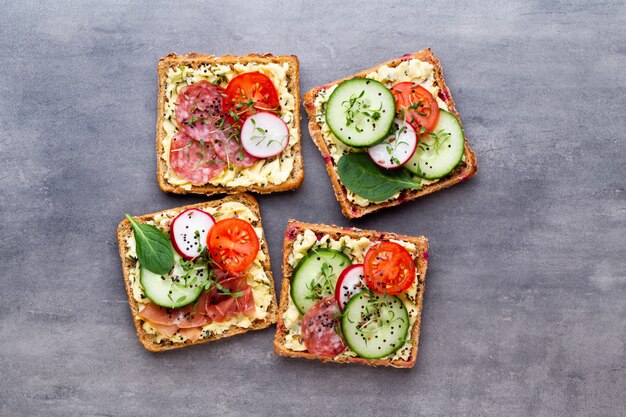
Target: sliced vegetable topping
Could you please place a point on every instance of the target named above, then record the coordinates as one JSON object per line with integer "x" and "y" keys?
{"x": 264, "y": 135}
{"x": 360, "y": 112}
{"x": 416, "y": 105}
{"x": 350, "y": 282}
{"x": 178, "y": 287}
{"x": 233, "y": 244}
{"x": 363, "y": 177}
{"x": 188, "y": 232}
{"x": 375, "y": 326}
{"x": 153, "y": 247}
{"x": 315, "y": 276}
{"x": 440, "y": 151}
{"x": 321, "y": 329}
{"x": 248, "y": 93}
{"x": 388, "y": 268}
{"x": 396, "y": 148}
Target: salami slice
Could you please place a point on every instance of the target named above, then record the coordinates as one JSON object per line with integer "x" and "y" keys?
{"x": 321, "y": 329}
{"x": 229, "y": 148}
{"x": 200, "y": 109}
{"x": 194, "y": 161}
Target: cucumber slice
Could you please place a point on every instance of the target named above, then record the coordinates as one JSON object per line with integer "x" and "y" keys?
{"x": 375, "y": 325}
{"x": 439, "y": 152}
{"x": 315, "y": 276}
{"x": 360, "y": 112}
{"x": 176, "y": 289}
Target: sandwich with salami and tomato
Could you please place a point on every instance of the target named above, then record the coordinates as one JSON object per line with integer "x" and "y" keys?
{"x": 228, "y": 124}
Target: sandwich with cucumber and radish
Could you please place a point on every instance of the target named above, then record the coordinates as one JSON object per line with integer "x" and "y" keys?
{"x": 350, "y": 295}
{"x": 197, "y": 273}
{"x": 389, "y": 134}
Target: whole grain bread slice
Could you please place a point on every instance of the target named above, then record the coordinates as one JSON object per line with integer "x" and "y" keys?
{"x": 149, "y": 341}
{"x": 464, "y": 171}
{"x": 421, "y": 262}
{"x": 194, "y": 60}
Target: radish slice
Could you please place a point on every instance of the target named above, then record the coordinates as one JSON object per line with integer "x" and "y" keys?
{"x": 350, "y": 282}
{"x": 264, "y": 135}
{"x": 395, "y": 150}
{"x": 188, "y": 232}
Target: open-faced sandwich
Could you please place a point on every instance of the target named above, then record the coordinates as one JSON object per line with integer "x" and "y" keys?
{"x": 351, "y": 295}
{"x": 197, "y": 273}
{"x": 228, "y": 124}
{"x": 389, "y": 134}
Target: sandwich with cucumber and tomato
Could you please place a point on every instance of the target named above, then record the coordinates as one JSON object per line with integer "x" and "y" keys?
{"x": 197, "y": 273}
{"x": 389, "y": 134}
{"x": 351, "y": 295}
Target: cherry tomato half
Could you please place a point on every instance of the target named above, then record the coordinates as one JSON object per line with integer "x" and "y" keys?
{"x": 233, "y": 244}
{"x": 248, "y": 93}
{"x": 388, "y": 268}
{"x": 417, "y": 105}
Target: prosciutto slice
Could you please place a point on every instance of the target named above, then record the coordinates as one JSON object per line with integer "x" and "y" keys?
{"x": 192, "y": 333}
{"x": 222, "y": 302}
{"x": 167, "y": 330}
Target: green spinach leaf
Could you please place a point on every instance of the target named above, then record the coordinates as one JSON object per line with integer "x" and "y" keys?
{"x": 154, "y": 250}
{"x": 363, "y": 177}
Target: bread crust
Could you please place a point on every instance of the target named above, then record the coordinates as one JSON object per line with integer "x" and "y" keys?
{"x": 421, "y": 262}
{"x": 149, "y": 340}
{"x": 464, "y": 171}
{"x": 194, "y": 60}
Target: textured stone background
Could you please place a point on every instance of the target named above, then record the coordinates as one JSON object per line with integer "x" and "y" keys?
{"x": 525, "y": 305}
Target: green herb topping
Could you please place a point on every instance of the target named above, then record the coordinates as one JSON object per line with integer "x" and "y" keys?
{"x": 363, "y": 177}
{"x": 154, "y": 249}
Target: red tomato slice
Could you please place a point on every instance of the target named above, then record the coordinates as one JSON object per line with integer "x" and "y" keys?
{"x": 416, "y": 105}
{"x": 248, "y": 93}
{"x": 388, "y": 268}
{"x": 233, "y": 244}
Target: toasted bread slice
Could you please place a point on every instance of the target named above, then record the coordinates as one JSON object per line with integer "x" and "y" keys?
{"x": 149, "y": 341}
{"x": 466, "y": 169}
{"x": 421, "y": 262}
{"x": 193, "y": 60}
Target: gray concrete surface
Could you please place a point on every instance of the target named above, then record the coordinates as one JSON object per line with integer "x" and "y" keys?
{"x": 525, "y": 305}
